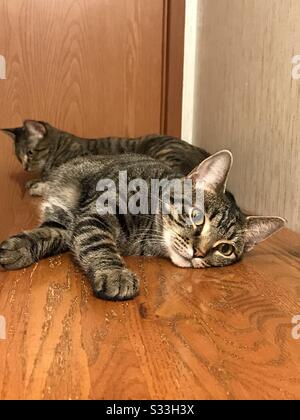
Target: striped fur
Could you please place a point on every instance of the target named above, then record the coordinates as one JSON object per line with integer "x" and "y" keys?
{"x": 41, "y": 147}
{"x": 70, "y": 221}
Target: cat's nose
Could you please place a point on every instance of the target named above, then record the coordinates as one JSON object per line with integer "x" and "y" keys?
{"x": 198, "y": 253}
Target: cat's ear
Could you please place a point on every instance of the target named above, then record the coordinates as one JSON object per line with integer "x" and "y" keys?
{"x": 35, "y": 129}
{"x": 259, "y": 229}
{"x": 11, "y": 132}
{"x": 213, "y": 172}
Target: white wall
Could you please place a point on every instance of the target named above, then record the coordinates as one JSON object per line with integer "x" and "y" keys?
{"x": 247, "y": 98}
{"x": 192, "y": 30}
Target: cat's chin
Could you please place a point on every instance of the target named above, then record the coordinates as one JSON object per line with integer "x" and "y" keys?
{"x": 179, "y": 261}
{"x": 182, "y": 262}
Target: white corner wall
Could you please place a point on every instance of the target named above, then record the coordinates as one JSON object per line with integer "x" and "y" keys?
{"x": 192, "y": 29}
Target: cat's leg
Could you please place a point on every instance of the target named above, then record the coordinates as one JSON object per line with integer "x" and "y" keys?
{"x": 94, "y": 245}
{"x": 38, "y": 187}
{"x": 23, "y": 250}
{"x": 51, "y": 238}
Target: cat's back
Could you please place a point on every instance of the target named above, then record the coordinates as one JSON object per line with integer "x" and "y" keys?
{"x": 91, "y": 169}
{"x": 177, "y": 153}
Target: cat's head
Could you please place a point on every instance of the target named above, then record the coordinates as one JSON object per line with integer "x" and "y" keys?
{"x": 32, "y": 144}
{"x": 217, "y": 234}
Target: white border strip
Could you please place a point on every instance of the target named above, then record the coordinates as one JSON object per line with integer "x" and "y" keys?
{"x": 190, "y": 62}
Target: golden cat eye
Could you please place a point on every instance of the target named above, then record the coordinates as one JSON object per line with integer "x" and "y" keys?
{"x": 226, "y": 249}
{"x": 197, "y": 217}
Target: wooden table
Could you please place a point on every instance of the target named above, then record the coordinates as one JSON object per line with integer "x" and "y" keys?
{"x": 191, "y": 334}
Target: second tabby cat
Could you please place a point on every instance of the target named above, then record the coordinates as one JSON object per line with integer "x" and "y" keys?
{"x": 41, "y": 147}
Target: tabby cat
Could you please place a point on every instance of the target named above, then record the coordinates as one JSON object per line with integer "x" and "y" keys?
{"x": 216, "y": 235}
{"x": 41, "y": 147}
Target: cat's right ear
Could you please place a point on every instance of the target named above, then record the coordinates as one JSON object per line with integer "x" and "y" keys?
{"x": 35, "y": 129}
{"x": 11, "y": 132}
{"x": 213, "y": 172}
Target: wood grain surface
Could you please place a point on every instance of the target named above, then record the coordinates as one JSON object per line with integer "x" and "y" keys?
{"x": 191, "y": 334}
{"x": 248, "y": 101}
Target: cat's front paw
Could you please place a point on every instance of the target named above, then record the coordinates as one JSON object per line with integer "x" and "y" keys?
{"x": 198, "y": 263}
{"x": 36, "y": 188}
{"x": 118, "y": 284}
{"x": 15, "y": 253}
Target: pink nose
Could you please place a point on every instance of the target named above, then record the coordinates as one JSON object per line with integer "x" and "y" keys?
{"x": 198, "y": 253}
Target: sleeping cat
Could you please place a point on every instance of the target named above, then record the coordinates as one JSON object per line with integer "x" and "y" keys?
{"x": 41, "y": 147}
{"x": 216, "y": 235}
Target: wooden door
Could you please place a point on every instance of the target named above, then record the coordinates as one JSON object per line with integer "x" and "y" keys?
{"x": 95, "y": 67}
{"x": 92, "y": 67}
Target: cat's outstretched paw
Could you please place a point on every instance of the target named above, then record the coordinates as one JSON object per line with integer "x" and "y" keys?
{"x": 15, "y": 253}
{"x": 198, "y": 263}
{"x": 36, "y": 188}
{"x": 116, "y": 284}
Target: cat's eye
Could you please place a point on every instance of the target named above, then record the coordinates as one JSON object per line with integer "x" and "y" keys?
{"x": 226, "y": 249}
{"x": 197, "y": 217}
{"x": 30, "y": 153}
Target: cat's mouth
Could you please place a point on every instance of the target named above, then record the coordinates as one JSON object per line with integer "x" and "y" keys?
{"x": 180, "y": 260}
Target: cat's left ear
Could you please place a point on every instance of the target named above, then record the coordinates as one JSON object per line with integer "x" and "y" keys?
{"x": 11, "y": 132}
{"x": 259, "y": 229}
{"x": 37, "y": 130}
{"x": 213, "y": 172}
